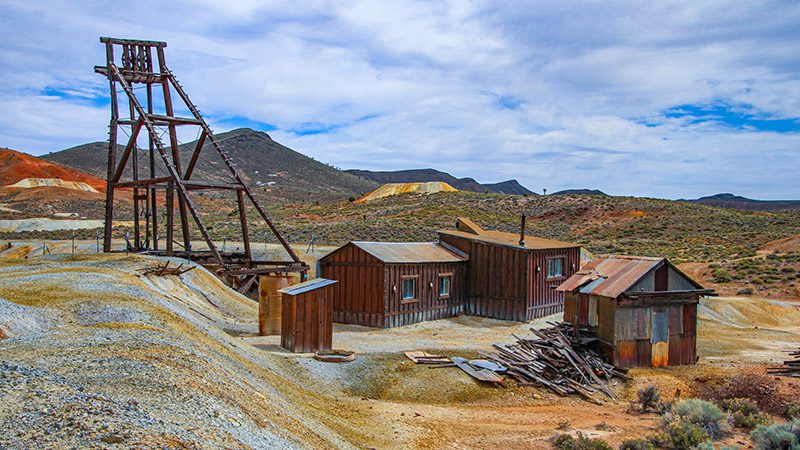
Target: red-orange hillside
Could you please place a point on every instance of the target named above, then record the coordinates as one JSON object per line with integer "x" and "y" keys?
{"x": 16, "y": 166}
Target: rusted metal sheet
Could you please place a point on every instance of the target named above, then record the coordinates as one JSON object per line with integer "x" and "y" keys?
{"x": 675, "y": 320}
{"x": 477, "y": 373}
{"x": 643, "y": 353}
{"x": 570, "y": 307}
{"x": 583, "y": 309}
{"x": 659, "y": 331}
{"x": 660, "y": 354}
{"x": 641, "y": 323}
{"x": 690, "y": 319}
{"x": 625, "y": 354}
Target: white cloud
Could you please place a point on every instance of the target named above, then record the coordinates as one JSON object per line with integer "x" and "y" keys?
{"x": 431, "y": 78}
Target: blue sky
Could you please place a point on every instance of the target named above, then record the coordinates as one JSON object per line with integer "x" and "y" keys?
{"x": 671, "y": 99}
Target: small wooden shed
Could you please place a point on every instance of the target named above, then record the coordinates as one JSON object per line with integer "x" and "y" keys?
{"x": 512, "y": 276}
{"x": 307, "y": 316}
{"x": 644, "y": 309}
{"x": 388, "y": 284}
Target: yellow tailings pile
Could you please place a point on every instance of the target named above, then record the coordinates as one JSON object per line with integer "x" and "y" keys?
{"x": 53, "y": 182}
{"x": 389, "y": 189}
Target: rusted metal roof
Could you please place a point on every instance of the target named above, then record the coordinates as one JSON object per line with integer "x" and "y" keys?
{"x": 511, "y": 239}
{"x": 610, "y": 276}
{"x": 411, "y": 252}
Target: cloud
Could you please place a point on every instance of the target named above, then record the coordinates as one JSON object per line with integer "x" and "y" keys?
{"x": 669, "y": 99}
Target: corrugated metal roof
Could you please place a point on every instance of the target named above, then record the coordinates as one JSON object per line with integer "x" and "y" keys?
{"x": 511, "y": 239}
{"x": 610, "y": 276}
{"x": 410, "y": 252}
{"x": 306, "y": 286}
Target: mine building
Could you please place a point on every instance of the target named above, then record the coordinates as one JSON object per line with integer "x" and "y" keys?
{"x": 468, "y": 271}
{"x": 512, "y": 276}
{"x": 388, "y": 284}
{"x": 644, "y": 310}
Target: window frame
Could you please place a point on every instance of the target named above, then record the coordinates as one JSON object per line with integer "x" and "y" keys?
{"x": 563, "y": 259}
{"x": 441, "y": 276}
{"x": 403, "y": 279}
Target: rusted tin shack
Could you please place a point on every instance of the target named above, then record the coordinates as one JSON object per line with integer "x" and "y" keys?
{"x": 307, "y": 316}
{"x": 644, "y": 309}
{"x": 512, "y": 276}
{"x": 388, "y": 284}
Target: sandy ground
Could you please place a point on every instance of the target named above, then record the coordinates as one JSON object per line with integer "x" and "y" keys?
{"x": 173, "y": 360}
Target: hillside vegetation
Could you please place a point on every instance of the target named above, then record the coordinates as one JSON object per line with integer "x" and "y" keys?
{"x": 628, "y": 225}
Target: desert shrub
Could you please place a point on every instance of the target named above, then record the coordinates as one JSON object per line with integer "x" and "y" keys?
{"x": 637, "y": 444}
{"x": 759, "y": 388}
{"x": 649, "y": 398}
{"x": 581, "y": 442}
{"x": 721, "y": 275}
{"x": 745, "y": 291}
{"x": 782, "y": 436}
{"x": 684, "y": 435}
{"x": 744, "y": 413}
{"x": 708, "y": 445}
{"x": 793, "y": 410}
{"x": 702, "y": 414}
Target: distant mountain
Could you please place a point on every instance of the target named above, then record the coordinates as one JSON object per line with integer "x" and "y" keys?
{"x": 426, "y": 175}
{"x": 17, "y": 166}
{"x": 269, "y": 168}
{"x": 580, "y": 192}
{"x": 728, "y": 200}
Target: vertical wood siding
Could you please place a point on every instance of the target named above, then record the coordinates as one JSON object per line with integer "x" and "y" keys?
{"x": 358, "y": 297}
{"x": 428, "y": 305}
{"x": 502, "y": 282}
{"x": 369, "y": 292}
{"x": 306, "y": 320}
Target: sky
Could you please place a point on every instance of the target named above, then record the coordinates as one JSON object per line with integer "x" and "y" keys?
{"x": 668, "y": 99}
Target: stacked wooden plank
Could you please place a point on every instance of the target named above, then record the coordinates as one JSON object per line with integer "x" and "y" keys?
{"x": 790, "y": 368}
{"x": 560, "y": 359}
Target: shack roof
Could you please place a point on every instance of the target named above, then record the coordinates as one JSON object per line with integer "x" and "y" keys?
{"x": 411, "y": 252}
{"x": 306, "y": 286}
{"x": 510, "y": 239}
{"x": 612, "y": 275}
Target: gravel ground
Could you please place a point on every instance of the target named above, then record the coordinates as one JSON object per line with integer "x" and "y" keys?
{"x": 102, "y": 357}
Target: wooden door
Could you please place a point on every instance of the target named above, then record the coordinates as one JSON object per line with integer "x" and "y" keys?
{"x": 659, "y": 337}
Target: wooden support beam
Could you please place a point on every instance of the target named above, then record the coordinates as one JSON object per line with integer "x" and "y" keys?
{"x": 197, "y": 149}
{"x": 127, "y": 152}
{"x": 170, "y": 219}
{"x": 112, "y": 153}
{"x": 243, "y": 220}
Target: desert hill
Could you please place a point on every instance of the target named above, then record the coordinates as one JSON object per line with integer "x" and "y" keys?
{"x": 728, "y": 200}
{"x": 425, "y": 175}
{"x": 31, "y": 187}
{"x": 16, "y": 167}
{"x": 269, "y": 168}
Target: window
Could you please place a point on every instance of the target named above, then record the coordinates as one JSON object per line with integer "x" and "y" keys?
{"x": 555, "y": 267}
{"x": 409, "y": 288}
{"x": 444, "y": 285}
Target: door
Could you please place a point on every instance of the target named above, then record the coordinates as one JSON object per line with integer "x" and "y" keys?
{"x": 659, "y": 337}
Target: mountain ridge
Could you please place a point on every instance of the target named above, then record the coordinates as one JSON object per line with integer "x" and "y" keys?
{"x": 429, "y": 174}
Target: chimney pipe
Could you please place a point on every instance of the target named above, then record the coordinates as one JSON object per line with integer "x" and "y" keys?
{"x": 522, "y": 231}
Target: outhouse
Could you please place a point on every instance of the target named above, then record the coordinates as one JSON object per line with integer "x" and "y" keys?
{"x": 307, "y": 316}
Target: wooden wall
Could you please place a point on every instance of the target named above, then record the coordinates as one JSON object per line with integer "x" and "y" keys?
{"x": 358, "y": 297}
{"x": 365, "y": 294}
{"x": 496, "y": 279}
{"x": 428, "y": 305}
{"x": 542, "y": 298}
{"x": 306, "y": 320}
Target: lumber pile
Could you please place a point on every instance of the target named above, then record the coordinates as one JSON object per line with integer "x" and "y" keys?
{"x": 790, "y": 368}
{"x": 560, "y": 359}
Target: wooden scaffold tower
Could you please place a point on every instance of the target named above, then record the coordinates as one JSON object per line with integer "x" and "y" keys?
{"x": 132, "y": 66}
